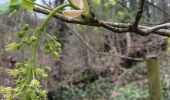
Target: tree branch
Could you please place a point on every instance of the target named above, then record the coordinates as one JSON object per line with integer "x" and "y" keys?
{"x": 139, "y": 13}
{"x": 114, "y": 27}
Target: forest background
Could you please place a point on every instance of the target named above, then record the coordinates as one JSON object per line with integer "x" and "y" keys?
{"x": 95, "y": 63}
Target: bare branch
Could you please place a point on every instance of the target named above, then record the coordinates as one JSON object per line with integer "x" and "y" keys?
{"x": 45, "y": 7}
{"x": 139, "y": 13}
{"x": 158, "y": 27}
{"x": 101, "y": 53}
{"x": 114, "y": 27}
{"x": 82, "y": 40}
{"x": 150, "y": 3}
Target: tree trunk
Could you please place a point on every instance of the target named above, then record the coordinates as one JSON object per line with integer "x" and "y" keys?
{"x": 153, "y": 74}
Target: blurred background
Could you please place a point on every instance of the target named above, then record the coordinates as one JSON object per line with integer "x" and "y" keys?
{"x": 78, "y": 73}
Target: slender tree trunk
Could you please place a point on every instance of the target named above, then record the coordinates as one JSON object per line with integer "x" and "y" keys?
{"x": 153, "y": 74}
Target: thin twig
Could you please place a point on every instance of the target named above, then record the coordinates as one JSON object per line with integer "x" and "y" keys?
{"x": 100, "y": 53}
{"x": 139, "y": 13}
{"x": 150, "y": 3}
{"x": 45, "y": 7}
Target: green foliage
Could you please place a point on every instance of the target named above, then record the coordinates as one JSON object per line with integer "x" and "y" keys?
{"x": 64, "y": 93}
{"x": 133, "y": 93}
{"x": 93, "y": 91}
{"x": 26, "y": 4}
{"x": 27, "y": 85}
{"x": 101, "y": 88}
{"x": 166, "y": 88}
{"x": 8, "y": 91}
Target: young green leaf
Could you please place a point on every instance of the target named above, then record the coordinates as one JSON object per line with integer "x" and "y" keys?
{"x": 28, "y": 4}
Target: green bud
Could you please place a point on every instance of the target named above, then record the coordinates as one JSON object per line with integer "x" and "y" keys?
{"x": 54, "y": 54}
{"x": 18, "y": 64}
{"x": 14, "y": 72}
{"x": 25, "y": 27}
{"x": 23, "y": 70}
{"x": 26, "y": 65}
{"x": 87, "y": 16}
{"x": 24, "y": 40}
{"x": 39, "y": 71}
{"x": 8, "y": 89}
{"x": 58, "y": 50}
{"x": 47, "y": 68}
{"x": 33, "y": 38}
{"x": 44, "y": 75}
{"x": 30, "y": 40}
{"x": 20, "y": 34}
{"x": 35, "y": 83}
{"x": 29, "y": 43}
{"x": 16, "y": 90}
{"x": 43, "y": 93}
{"x": 58, "y": 45}
{"x": 47, "y": 49}
{"x": 12, "y": 46}
{"x": 53, "y": 37}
